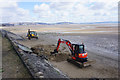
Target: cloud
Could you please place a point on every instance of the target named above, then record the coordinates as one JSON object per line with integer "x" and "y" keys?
{"x": 61, "y": 10}
{"x": 11, "y": 12}
{"x": 78, "y": 11}
{"x": 97, "y": 5}
{"x": 42, "y": 7}
{"x": 82, "y": 11}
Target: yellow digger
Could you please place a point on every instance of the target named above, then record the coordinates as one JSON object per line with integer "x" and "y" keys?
{"x": 31, "y": 34}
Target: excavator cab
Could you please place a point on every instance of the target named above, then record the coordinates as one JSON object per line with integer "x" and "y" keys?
{"x": 33, "y": 33}
{"x": 78, "y": 48}
{"x": 79, "y": 53}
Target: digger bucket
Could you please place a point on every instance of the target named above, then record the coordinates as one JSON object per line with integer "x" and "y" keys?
{"x": 55, "y": 51}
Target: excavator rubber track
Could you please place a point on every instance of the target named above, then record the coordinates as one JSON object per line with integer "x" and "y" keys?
{"x": 79, "y": 64}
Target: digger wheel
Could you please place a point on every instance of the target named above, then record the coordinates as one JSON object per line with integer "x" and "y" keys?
{"x": 36, "y": 37}
{"x": 29, "y": 38}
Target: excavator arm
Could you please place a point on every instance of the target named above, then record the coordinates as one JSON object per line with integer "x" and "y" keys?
{"x": 68, "y": 43}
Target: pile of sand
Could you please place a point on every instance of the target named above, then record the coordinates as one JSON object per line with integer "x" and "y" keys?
{"x": 46, "y": 51}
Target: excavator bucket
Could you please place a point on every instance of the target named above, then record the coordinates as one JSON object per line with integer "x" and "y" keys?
{"x": 54, "y": 52}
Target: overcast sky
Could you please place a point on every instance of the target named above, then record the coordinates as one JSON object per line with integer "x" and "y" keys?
{"x": 52, "y": 11}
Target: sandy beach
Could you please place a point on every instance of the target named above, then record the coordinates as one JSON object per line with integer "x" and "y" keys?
{"x": 101, "y": 43}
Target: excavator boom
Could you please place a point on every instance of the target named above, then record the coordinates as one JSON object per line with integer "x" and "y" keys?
{"x": 68, "y": 43}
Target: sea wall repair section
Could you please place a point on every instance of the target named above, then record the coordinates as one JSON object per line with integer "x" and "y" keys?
{"x": 37, "y": 66}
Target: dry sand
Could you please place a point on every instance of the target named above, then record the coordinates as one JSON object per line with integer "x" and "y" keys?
{"x": 101, "y": 43}
{"x": 12, "y": 67}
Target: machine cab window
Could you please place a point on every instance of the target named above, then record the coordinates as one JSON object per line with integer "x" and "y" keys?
{"x": 32, "y": 32}
{"x": 79, "y": 49}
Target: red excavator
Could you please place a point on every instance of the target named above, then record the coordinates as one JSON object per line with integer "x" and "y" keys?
{"x": 78, "y": 54}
